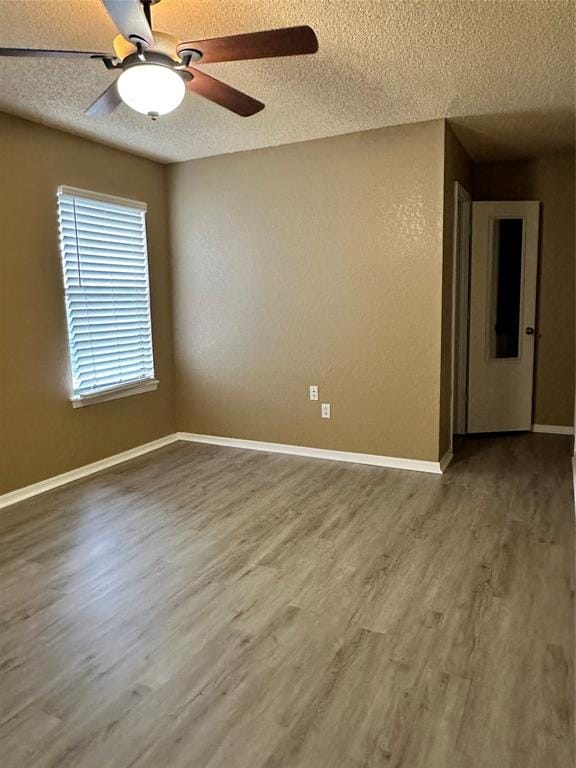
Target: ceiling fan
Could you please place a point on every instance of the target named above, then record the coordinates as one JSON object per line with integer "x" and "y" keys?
{"x": 155, "y": 70}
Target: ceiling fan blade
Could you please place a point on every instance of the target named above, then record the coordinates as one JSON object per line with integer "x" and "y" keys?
{"x": 220, "y": 93}
{"x": 292, "y": 41}
{"x": 131, "y": 21}
{"x": 45, "y": 52}
{"x": 106, "y": 103}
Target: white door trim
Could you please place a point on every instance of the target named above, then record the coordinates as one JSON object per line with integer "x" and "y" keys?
{"x": 460, "y": 283}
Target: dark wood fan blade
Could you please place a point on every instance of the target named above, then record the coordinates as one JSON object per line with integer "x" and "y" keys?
{"x": 105, "y": 103}
{"x": 292, "y": 41}
{"x": 131, "y": 21}
{"x": 220, "y": 93}
{"x": 46, "y": 52}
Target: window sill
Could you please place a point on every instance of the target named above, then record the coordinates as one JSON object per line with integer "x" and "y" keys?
{"x": 127, "y": 390}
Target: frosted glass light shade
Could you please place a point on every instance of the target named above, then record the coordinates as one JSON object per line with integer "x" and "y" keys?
{"x": 151, "y": 89}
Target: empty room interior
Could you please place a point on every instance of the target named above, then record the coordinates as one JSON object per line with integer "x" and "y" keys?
{"x": 287, "y": 377}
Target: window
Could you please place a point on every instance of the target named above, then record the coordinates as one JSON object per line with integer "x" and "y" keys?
{"x": 105, "y": 267}
{"x": 506, "y": 288}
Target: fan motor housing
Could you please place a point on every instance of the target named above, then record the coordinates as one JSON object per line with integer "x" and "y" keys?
{"x": 163, "y": 43}
{"x": 151, "y": 57}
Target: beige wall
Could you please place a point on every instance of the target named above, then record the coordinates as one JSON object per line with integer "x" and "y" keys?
{"x": 40, "y": 433}
{"x": 457, "y": 167}
{"x": 327, "y": 262}
{"x": 313, "y": 263}
{"x": 550, "y": 180}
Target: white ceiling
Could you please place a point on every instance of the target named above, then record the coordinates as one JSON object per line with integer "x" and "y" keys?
{"x": 504, "y": 70}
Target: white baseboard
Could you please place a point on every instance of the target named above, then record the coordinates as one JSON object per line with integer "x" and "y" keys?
{"x": 417, "y": 465}
{"x": 21, "y": 494}
{"x": 552, "y": 429}
{"x": 88, "y": 469}
{"x": 445, "y": 461}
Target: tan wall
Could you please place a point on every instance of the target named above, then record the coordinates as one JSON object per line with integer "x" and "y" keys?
{"x": 550, "y": 180}
{"x": 313, "y": 263}
{"x": 316, "y": 263}
{"x": 40, "y": 433}
{"x": 457, "y": 167}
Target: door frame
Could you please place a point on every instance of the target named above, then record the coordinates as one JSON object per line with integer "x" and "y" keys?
{"x": 462, "y": 230}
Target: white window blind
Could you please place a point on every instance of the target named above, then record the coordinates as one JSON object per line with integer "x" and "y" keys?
{"x": 105, "y": 267}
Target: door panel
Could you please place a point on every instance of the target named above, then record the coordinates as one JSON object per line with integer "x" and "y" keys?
{"x": 503, "y": 278}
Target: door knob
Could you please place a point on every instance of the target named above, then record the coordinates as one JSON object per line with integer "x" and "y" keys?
{"x": 529, "y": 331}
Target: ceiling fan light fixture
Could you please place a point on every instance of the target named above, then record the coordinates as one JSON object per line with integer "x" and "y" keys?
{"x": 151, "y": 89}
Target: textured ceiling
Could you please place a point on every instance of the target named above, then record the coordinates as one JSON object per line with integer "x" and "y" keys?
{"x": 503, "y": 70}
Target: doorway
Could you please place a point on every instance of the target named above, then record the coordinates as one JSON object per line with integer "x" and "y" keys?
{"x": 495, "y": 282}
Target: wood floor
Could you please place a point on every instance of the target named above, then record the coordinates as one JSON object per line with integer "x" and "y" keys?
{"x": 206, "y": 607}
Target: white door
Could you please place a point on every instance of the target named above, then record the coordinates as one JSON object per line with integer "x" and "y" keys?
{"x": 504, "y": 262}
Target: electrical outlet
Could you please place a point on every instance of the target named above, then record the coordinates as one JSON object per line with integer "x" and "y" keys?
{"x": 325, "y": 410}
{"x": 313, "y": 392}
